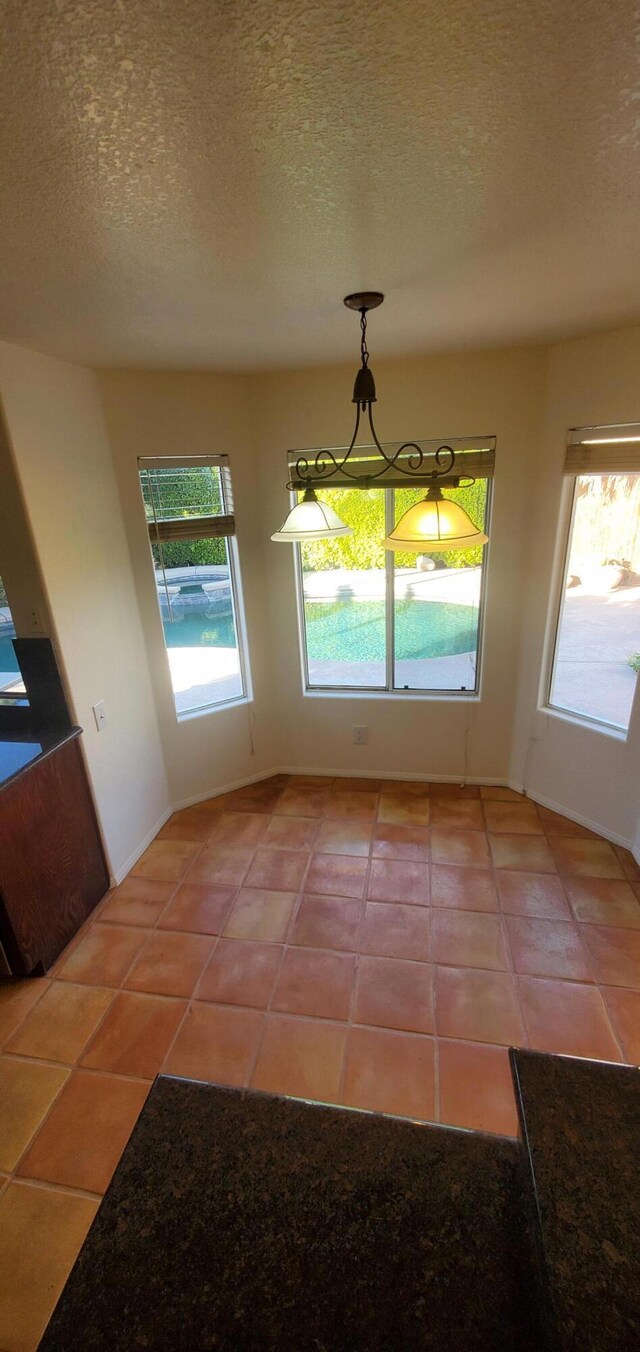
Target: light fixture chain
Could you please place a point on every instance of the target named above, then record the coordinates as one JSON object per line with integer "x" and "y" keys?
{"x": 364, "y": 352}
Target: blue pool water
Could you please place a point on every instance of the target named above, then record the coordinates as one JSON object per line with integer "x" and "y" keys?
{"x": 8, "y": 659}
{"x": 348, "y": 631}
{"x": 354, "y": 631}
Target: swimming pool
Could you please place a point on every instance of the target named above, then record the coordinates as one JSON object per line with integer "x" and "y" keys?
{"x": 347, "y": 631}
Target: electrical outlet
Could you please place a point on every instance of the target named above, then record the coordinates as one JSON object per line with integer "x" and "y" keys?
{"x": 35, "y": 621}
{"x": 360, "y": 736}
{"x": 100, "y": 715}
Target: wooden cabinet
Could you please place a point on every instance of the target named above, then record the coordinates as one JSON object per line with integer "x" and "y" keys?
{"x": 52, "y": 866}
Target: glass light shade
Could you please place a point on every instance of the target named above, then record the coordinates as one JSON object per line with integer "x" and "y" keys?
{"x": 311, "y": 520}
{"x": 433, "y": 524}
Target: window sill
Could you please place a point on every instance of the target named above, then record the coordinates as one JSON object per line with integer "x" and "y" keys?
{"x": 428, "y": 696}
{"x": 618, "y": 734}
{"x": 190, "y": 714}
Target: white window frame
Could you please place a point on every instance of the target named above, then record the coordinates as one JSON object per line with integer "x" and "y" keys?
{"x": 388, "y": 690}
{"x": 617, "y": 731}
{"x": 237, "y": 599}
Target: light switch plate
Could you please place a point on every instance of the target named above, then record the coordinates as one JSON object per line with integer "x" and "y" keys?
{"x": 100, "y": 715}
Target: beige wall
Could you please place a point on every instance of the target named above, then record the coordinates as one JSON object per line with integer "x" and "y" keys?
{"x": 56, "y": 427}
{"x": 593, "y": 774}
{"x": 467, "y": 394}
{"x": 154, "y": 414}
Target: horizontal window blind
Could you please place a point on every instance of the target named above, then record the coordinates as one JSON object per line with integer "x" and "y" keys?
{"x": 603, "y": 450}
{"x": 475, "y": 456}
{"x": 209, "y": 515}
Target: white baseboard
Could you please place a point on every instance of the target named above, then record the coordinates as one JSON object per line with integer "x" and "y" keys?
{"x": 332, "y": 774}
{"x": 140, "y": 849}
{"x": 575, "y": 817}
{"x": 370, "y": 774}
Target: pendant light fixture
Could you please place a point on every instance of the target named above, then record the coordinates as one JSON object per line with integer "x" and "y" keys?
{"x": 311, "y": 520}
{"x": 436, "y": 523}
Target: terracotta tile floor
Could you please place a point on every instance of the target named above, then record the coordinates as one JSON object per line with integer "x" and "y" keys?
{"x": 378, "y": 944}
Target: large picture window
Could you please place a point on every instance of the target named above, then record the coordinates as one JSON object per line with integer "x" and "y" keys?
{"x": 189, "y": 513}
{"x": 597, "y": 649}
{"x": 376, "y": 620}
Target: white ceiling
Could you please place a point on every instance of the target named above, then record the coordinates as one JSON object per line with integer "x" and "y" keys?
{"x": 197, "y": 183}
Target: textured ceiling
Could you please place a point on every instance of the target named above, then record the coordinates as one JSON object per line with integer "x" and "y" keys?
{"x": 196, "y": 183}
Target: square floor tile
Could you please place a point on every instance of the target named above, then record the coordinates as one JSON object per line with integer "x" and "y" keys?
{"x": 199, "y": 909}
{"x": 530, "y": 853}
{"x": 476, "y": 1090}
{"x": 623, "y": 1007}
{"x": 303, "y": 802}
{"x": 103, "y": 956}
{"x": 300, "y": 1057}
{"x": 260, "y": 914}
{"x": 554, "y": 824}
{"x": 41, "y": 1233}
{"x": 239, "y": 828}
{"x": 241, "y": 972}
{"x": 27, "y": 1091}
{"x": 499, "y": 793}
{"x": 401, "y": 808}
{"x": 223, "y": 865}
{"x": 547, "y": 948}
{"x": 136, "y": 1035}
{"x": 466, "y": 889}
{"x": 16, "y": 999}
{"x": 327, "y": 922}
{"x": 86, "y": 1131}
{"x": 314, "y": 982}
{"x": 355, "y": 784}
{"x": 630, "y": 867}
{"x": 604, "y": 901}
{"x": 395, "y": 931}
{"x": 62, "y": 1022}
{"x": 477, "y": 1006}
{"x": 395, "y": 994}
{"x": 171, "y": 963}
{"x": 165, "y": 860}
{"x": 291, "y": 833}
{"x": 138, "y": 901}
{"x": 389, "y": 1072}
{"x": 566, "y": 1018}
{"x": 216, "y": 1043}
{"x": 281, "y": 870}
{"x": 399, "y": 880}
{"x": 460, "y": 847}
{"x": 448, "y": 789}
{"x": 409, "y": 788}
{"x": 537, "y": 894}
{"x": 468, "y": 939}
{"x": 346, "y": 803}
{"x": 188, "y": 825}
{"x": 457, "y": 814}
{"x": 400, "y": 842}
{"x": 344, "y": 837}
{"x": 592, "y": 857}
{"x": 336, "y": 875}
{"x": 615, "y": 954}
{"x": 514, "y": 818}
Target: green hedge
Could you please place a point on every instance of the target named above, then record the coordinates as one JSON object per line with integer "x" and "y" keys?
{"x": 364, "y": 511}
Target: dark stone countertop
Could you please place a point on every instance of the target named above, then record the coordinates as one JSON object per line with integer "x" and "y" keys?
{"x": 19, "y": 752}
{"x": 581, "y": 1124}
{"x": 238, "y": 1220}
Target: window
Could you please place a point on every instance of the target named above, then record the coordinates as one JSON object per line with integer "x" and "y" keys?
{"x": 189, "y": 512}
{"x": 597, "y": 650}
{"x": 376, "y": 620}
{"x": 11, "y": 682}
